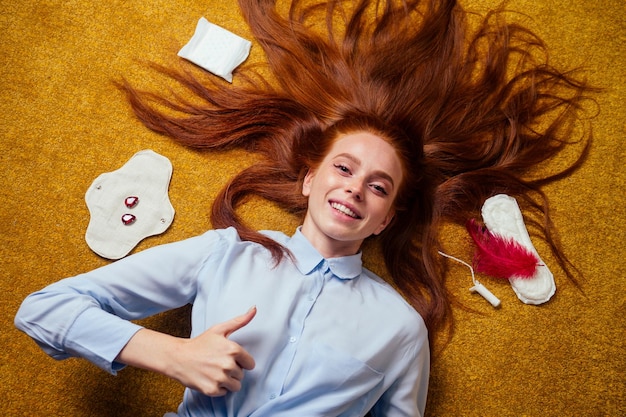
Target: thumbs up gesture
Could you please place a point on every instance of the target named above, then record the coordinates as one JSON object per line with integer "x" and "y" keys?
{"x": 213, "y": 364}
{"x": 209, "y": 363}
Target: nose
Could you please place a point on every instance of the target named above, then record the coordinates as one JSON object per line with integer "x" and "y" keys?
{"x": 355, "y": 189}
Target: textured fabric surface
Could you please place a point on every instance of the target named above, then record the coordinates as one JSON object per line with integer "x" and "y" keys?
{"x": 63, "y": 123}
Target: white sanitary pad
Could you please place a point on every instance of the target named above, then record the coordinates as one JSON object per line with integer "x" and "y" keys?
{"x": 216, "y": 49}
{"x": 503, "y": 217}
{"x": 143, "y": 184}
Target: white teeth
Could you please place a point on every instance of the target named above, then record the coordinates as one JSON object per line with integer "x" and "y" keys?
{"x": 344, "y": 209}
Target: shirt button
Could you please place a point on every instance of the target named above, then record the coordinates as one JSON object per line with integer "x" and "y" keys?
{"x": 292, "y": 339}
{"x": 272, "y": 396}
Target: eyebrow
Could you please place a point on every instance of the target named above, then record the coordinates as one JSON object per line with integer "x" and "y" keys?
{"x": 378, "y": 173}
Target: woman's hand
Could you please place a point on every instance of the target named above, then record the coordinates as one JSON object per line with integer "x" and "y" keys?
{"x": 209, "y": 363}
{"x": 212, "y": 364}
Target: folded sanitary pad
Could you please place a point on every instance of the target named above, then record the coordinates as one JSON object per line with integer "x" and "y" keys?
{"x": 216, "y": 49}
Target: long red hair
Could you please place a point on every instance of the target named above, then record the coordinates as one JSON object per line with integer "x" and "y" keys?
{"x": 472, "y": 112}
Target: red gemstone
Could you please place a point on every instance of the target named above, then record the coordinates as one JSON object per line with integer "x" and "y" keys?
{"x": 128, "y": 219}
{"x": 131, "y": 201}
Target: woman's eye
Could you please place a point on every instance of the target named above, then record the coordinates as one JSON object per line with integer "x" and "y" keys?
{"x": 342, "y": 168}
{"x": 379, "y": 189}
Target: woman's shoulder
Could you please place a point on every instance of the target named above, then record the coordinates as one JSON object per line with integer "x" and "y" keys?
{"x": 393, "y": 303}
{"x": 230, "y": 234}
{"x": 276, "y": 235}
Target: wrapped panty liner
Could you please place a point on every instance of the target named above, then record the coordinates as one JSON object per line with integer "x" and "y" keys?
{"x": 503, "y": 217}
{"x": 215, "y": 49}
{"x": 146, "y": 176}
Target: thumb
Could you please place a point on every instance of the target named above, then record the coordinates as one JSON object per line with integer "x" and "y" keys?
{"x": 234, "y": 324}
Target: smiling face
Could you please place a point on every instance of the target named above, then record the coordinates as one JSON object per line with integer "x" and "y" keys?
{"x": 351, "y": 193}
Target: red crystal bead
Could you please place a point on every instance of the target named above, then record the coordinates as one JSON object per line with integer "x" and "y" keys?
{"x": 128, "y": 219}
{"x": 131, "y": 201}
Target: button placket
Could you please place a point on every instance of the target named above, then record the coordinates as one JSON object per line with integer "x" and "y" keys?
{"x": 314, "y": 292}
{"x": 316, "y": 284}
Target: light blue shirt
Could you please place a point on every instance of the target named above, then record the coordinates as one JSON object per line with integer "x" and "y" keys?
{"x": 329, "y": 338}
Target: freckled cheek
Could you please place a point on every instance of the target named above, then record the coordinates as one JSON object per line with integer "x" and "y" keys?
{"x": 383, "y": 209}
{"x": 333, "y": 183}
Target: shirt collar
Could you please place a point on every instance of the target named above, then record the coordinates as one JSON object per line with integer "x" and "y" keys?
{"x": 308, "y": 258}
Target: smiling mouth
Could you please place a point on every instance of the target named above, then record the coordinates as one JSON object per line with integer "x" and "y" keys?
{"x": 345, "y": 210}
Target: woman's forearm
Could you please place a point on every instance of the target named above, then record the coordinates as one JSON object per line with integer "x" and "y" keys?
{"x": 151, "y": 350}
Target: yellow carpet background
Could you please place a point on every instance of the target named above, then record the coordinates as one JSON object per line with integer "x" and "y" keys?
{"x": 62, "y": 123}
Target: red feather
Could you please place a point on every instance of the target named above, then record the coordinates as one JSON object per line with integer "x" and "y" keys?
{"x": 499, "y": 257}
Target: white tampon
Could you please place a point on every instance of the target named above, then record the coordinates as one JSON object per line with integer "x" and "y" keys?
{"x": 488, "y": 295}
{"x": 478, "y": 287}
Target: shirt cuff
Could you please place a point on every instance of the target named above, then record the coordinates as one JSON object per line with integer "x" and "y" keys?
{"x": 99, "y": 337}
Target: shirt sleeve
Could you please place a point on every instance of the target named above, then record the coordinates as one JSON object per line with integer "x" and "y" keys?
{"x": 89, "y": 315}
{"x": 407, "y": 395}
